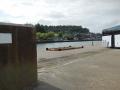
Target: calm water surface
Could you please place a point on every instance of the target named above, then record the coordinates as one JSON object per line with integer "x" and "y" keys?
{"x": 41, "y": 48}
{"x": 65, "y": 44}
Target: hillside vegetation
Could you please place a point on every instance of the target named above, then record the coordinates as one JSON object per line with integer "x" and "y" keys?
{"x": 63, "y": 32}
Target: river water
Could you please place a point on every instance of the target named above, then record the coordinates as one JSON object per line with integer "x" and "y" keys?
{"x": 43, "y": 46}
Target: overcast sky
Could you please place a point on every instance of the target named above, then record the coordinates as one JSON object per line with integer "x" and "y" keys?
{"x": 93, "y": 14}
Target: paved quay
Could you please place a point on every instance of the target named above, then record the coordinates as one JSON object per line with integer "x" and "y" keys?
{"x": 97, "y": 69}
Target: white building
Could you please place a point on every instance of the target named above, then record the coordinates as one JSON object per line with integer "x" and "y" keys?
{"x": 111, "y": 37}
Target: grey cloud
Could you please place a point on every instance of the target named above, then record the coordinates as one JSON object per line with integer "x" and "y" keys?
{"x": 61, "y": 1}
{"x": 45, "y": 22}
{"x": 56, "y": 15}
{"x": 94, "y": 14}
{"x": 27, "y": 3}
{"x": 112, "y": 23}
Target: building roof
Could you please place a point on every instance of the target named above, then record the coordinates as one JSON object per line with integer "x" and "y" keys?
{"x": 112, "y": 30}
{"x": 13, "y": 24}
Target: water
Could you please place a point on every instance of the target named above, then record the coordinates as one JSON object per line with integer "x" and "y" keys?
{"x": 43, "y": 46}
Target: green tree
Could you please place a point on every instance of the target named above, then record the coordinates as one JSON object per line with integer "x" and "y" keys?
{"x": 60, "y": 34}
{"x": 40, "y": 28}
{"x": 50, "y": 35}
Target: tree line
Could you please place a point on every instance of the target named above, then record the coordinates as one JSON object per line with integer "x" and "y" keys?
{"x": 61, "y": 28}
{"x": 60, "y": 32}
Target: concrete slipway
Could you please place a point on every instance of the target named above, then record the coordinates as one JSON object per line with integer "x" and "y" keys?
{"x": 96, "y": 69}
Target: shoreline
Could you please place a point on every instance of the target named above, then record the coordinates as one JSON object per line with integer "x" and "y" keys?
{"x": 54, "y": 54}
{"x": 51, "y": 41}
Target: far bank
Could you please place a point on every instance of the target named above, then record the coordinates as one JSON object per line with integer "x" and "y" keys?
{"x": 52, "y": 41}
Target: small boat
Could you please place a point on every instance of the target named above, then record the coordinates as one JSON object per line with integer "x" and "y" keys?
{"x": 63, "y": 48}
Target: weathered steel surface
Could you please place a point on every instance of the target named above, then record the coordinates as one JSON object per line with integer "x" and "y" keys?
{"x": 18, "y": 62}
